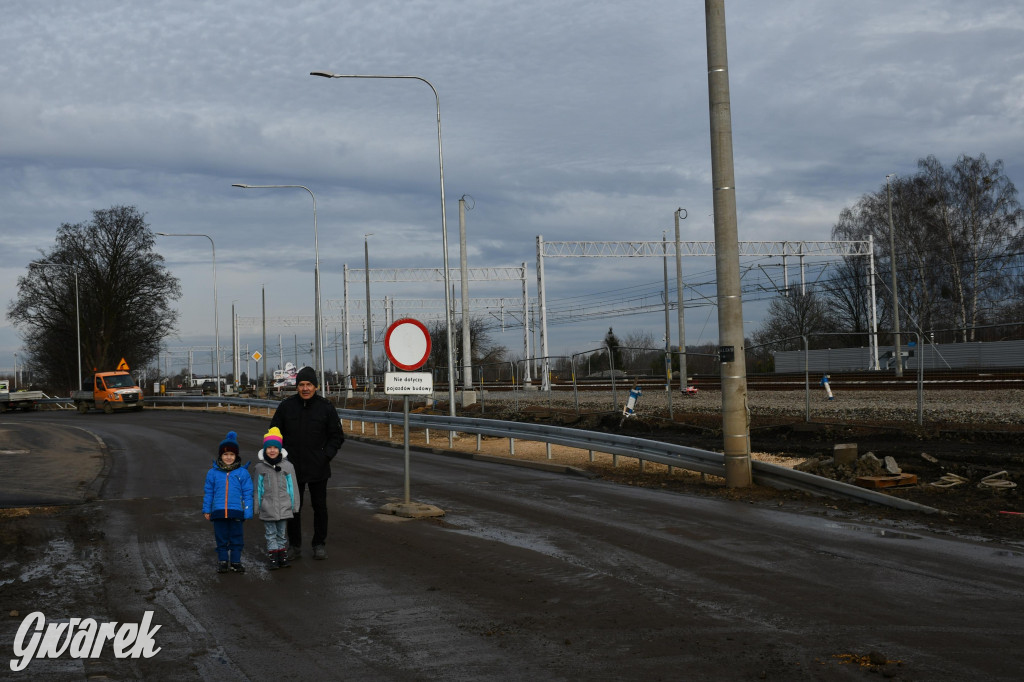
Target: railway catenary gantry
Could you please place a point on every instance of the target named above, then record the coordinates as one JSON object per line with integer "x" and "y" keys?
{"x": 663, "y": 249}
{"x": 487, "y": 274}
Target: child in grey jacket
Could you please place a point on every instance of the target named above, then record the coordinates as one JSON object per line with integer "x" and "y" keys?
{"x": 277, "y": 499}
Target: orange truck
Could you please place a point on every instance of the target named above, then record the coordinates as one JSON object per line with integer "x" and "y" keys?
{"x": 110, "y": 391}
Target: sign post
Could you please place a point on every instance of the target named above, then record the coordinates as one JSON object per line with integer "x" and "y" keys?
{"x": 407, "y": 345}
{"x": 257, "y": 356}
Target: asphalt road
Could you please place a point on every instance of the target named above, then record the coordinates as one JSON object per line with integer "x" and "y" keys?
{"x": 530, "y": 575}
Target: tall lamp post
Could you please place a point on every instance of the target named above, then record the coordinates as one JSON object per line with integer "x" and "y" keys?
{"x": 78, "y": 316}
{"x": 316, "y": 275}
{"x": 444, "y": 225}
{"x": 216, "y": 319}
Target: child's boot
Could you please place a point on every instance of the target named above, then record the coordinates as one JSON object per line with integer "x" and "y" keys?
{"x": 282, "y": 559}
{"x": 272, "y": 562}
{"x": 222, "y": 567}
{"x": 237, "y": 568}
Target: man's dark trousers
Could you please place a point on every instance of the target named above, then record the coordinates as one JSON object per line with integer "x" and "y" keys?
{"x": 318, "y": 500}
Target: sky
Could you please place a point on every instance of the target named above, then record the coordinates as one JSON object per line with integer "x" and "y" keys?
{"x": 576, "y": 121}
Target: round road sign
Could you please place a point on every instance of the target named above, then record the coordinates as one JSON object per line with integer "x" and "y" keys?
{"x": 407, "y": 344}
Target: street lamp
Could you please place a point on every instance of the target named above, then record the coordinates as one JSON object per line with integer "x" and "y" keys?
{"x": 369, "y": 317}
{"x": 78, "y": 318}
{"x": 216, "y": 319}
{"x": 316, "y": 275}
{"x": 444, "y": 224}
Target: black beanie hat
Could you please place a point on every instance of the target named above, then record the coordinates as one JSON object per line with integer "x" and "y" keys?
{"x": 306, "y": 374}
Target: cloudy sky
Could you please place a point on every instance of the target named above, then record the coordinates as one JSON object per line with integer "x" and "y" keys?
{"x": 578, "y": 121}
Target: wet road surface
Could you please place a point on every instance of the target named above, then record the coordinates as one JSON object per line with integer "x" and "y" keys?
{"x": 529, "y": 575}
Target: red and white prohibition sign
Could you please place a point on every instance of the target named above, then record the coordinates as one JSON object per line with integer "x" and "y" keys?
{"x": 407, "y": 344}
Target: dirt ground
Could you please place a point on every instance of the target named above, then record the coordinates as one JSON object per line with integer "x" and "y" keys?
{"x": 930, "y": 452}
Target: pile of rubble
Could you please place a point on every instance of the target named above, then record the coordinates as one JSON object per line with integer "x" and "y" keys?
{"x": 866, "y": 470}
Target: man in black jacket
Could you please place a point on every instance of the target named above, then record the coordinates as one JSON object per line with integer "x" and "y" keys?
{"x": 312, "y": 435}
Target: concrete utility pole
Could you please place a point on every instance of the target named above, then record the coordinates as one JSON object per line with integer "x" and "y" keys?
{"x": 735, "y": 424}
{"x": 369, "y": 319}
{"x": 263, "y": 294}
{"x": 234, "y": 346}
{"x": 895, "y": 299}
{"x": 668, "y": 330}
{"x": 679, "y": 304}
{"x": 467, "y": 354}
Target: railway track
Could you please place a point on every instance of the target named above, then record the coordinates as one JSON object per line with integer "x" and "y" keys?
{"x": 848, "y": 381}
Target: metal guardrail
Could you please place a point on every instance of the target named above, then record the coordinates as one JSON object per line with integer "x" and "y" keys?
{"x": 669, "y": 454}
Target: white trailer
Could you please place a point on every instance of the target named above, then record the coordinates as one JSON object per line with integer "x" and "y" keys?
{"x": 19, "y": 400}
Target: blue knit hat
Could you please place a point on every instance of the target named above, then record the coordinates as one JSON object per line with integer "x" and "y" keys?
{"x": 230, "y": 443}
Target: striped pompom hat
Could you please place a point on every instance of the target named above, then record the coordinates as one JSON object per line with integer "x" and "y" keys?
{"x": 273, "y": 438}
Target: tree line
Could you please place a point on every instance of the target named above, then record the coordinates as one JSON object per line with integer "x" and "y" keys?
{"x": 957, "y": 252}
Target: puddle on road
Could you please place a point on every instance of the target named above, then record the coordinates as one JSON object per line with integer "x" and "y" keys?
{"x": 879, "y": 532}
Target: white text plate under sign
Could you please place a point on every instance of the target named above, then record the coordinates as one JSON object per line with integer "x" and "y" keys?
{"x": 408, "y": 383}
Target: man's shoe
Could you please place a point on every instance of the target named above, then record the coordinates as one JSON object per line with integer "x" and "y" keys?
{"x": 222, "y": 567}
{"x": 294, "y": 552}
{"x": 319, "y": 552}
{"x": 237, "y": 568}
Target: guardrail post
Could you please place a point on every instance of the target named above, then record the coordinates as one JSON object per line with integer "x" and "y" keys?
{"x": 427, "y": 432}
{"x": 548, "y": 449}
{"x": 478, "y": 440}
{"x": 511, "y": 446}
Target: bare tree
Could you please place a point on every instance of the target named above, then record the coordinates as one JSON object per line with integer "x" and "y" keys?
{"x": 957, "y": 232}
{"x": 794, "y": 316}
{"x": 125, "y": 295}
{"x": 641, "y": 351}
{"x": 848, "y": 293}
{"x": 986, "y": 220}
{"x": 484, "y": 350}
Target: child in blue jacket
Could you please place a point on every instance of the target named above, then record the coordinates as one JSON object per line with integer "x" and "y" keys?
{"x": 227, "y": 501}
